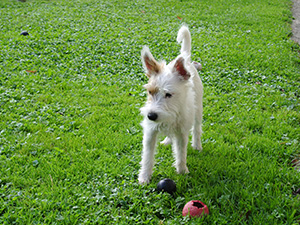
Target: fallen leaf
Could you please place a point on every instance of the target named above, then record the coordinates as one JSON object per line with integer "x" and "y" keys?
{"x": 31, "y": 71}
{"x": 179, "y": 18}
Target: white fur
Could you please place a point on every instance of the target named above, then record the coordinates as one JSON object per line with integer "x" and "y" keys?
{"x": 184, "y": 36}
{"x": 174, "y": 106}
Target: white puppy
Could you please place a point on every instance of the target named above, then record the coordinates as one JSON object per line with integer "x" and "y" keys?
{"x": 174, "y": 106}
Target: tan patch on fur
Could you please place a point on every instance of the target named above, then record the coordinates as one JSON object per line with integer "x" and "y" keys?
{"x": 152, "y": 89}
{"x": 155, "y": 67}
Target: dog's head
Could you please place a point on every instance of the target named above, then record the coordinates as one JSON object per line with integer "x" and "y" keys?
{"x": 167, "y": 88}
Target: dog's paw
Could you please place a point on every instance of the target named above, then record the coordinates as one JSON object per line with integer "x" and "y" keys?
{"x": 196, "y": 144}
{"x": 197, "y": 147}
{"x": 182, "y": 170}
{"x": 166, "y": 141}
{"x": 143, "y": 180}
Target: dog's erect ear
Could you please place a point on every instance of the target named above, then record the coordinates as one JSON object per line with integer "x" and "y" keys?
{"x": 180, "y": 68}
{"x": 151, "y": 66}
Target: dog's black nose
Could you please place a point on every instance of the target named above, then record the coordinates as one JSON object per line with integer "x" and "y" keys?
{"x": 152, "y": 116}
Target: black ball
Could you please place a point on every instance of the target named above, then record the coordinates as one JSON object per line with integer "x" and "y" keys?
{"x": 166, "y": 185}
{"x": 24, "y": 33}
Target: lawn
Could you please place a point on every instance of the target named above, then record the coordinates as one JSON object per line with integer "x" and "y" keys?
{"x": 70, "y": 93}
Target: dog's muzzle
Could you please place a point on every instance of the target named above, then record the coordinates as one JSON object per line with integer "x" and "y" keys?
{"x": 152, "y": 116}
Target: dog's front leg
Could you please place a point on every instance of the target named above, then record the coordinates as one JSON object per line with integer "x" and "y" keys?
{"x": 147, "y": 163}
{"x": 180, "y": 152}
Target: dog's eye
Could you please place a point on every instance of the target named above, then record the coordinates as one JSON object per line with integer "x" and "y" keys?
{"x": 168, "y": 95}
{"x": 149, "y": 92}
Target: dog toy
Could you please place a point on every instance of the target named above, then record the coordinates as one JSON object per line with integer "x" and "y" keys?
{"x": 166, "y": 185}
{"x": 195, "y": 208}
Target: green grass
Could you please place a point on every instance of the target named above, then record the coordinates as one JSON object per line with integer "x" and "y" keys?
{"x": 70, "y": 93}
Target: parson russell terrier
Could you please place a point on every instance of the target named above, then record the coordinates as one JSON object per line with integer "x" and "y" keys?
{"x": 174, "y": 106}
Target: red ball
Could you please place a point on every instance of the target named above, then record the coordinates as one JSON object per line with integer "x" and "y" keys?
{"x": 195, "y": 208}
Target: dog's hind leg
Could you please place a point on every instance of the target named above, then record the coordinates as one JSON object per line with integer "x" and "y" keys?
{"x": 166, "y": 141}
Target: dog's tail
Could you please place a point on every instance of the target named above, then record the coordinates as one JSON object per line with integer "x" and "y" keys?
{"x": 184, "y": 36}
